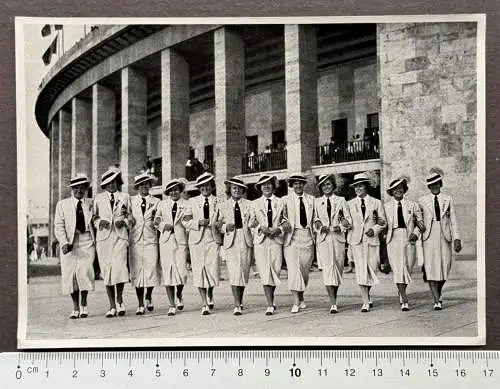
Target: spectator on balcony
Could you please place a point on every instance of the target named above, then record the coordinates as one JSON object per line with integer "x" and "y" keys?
{"x": 332, "y": 150}
{"x": 298, "y": 247}
{"x": 267, "y": 158}
{"x": 251, "y": 161}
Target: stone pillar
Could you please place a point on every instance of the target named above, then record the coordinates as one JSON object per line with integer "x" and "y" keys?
{"x": 427, "y": 86}
{"x": 174, "y": 114}
{"x": 229, "y": 105}
{"x": 64, "y": 153}
{"x": 103, "y": 133}
{"x": 134, "y": 125}
{"x": 54, "y": 177}
{"x": 81, "y": 136}
{"x": 301, "y": 84}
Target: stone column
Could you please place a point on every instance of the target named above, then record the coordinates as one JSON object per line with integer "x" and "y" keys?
{"x": 229, "y": 105}
{"x": 134, "y": 125}
{"x": 54, "y": 177}
{"x": 64, "y": 153}
{"x": 81, "y": 136}
{"x": 103, "y": 133}
{"x": 174, "y": 114}
{"x": 301, "y": 84}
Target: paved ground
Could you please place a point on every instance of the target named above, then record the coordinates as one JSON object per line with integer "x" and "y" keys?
{"x": 48, "y": 310}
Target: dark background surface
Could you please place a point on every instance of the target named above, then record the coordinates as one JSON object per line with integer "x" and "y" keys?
{"x": 233, "y": 8}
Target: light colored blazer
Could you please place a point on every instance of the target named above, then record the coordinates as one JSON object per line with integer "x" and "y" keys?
{"x": 195, "y": 210}
{"x": 449, "y": 225}
{"x": 143, "y": 227}
{"x": 321, "y": 214}
{"x": 65, "y": 220}
{"x": 290, "y": 212}
{"x": 412, "y": 214}
{"x": 260, "y": 214}
{"x": 227, "y": 216}
{"x": 122, "y": 210}
{"x": 360, "y": 225}
{"x": 164, "y": 212}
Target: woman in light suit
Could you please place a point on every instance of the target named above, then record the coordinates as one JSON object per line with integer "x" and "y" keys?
{"x": 268, "y": 237}
{"x": 173, "y": 244}
{"x": 404, "y": 221}
{"x": 74, "y": 231}
{"x": 112, "y": 213}
{"x": 143, "y": 242}
{"x": 298, "y": 243}
{"x": 331, "y": 221}
{"x": 441, "y": 234}
{"x": 235, "y": 216}
{"x": 368, "y": 221}
{"x": 200, "y": 219}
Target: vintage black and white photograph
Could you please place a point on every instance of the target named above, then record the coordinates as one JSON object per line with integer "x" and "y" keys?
{"x": 216, "y": 182}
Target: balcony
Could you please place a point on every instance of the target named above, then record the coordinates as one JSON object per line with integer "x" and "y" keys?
{"x": 349, "y": 151}
{"x": 271, "y": 160}
{"x": 197, "y": 168}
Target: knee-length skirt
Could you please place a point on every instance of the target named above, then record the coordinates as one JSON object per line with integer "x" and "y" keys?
{"x": 269, "y": 259}
{"x": 173, "y": 262}
{"x": 331, "y": 255}
{"x": 205, "y": 261}
{"x": 77, "y": 270}
{"x": 437, "y": 255}
{"x": 238, "y": 260}
{"x": 299, "y": 256}
{"x": 366, "y": 259}
{"x": 401, "y": 256}
{"x": 112, "y": 256}
{"x": 144, "y": 264}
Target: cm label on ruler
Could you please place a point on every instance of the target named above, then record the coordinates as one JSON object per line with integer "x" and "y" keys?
{"x": 353, "y": 368}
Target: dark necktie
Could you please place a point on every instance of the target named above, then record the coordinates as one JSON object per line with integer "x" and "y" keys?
{"x": 437, "y": 209}
{"x": 206, "y": 209}
{"x": 238, "y": 223}
{"x": 303, "y": 217}
{"x": 143, "y": 205}
{"x": 80, "y": 218}
{"x": 363, "y": 207}
{"x": 329, "y": 210}
{"x": 174, "y": 211}
{"x": 112, "y": 201}
{"x": 269, "y": 214}
{"x": 401, "y": 219}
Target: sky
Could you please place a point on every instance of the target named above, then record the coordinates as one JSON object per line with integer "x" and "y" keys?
{"x": 37, "y": 144}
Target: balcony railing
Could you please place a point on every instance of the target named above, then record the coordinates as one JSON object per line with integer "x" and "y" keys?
{"x": 358, "y": 150}
{"x": 273, "y": 160}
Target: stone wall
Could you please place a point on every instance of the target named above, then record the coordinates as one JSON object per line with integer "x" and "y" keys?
{"x": 427, "y": 84}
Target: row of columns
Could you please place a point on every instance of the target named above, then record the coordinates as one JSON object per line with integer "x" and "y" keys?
{"x": 82, "y": 138}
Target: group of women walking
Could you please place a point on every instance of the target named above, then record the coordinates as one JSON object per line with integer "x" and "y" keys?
{"x": 147, "y": 241}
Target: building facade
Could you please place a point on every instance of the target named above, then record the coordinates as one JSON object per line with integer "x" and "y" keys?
{"x": 247, "y": 99}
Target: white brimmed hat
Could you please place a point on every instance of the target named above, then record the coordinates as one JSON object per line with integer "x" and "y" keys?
{"x": 361, "y": 177}
{"x": 296, "y": 177}
{"x": 143, "y": 177}
{"x": 398, "y": 181}
{"x": 325, "y": 177}
{"x": 79, "y": 179}
{"x": 173, "y": 183}
{"x": 204, "y": 178}
{"x": 237, "y": 182}
{"x": 111, "y": 174}
{"x": 266, "y": 178}
{"x": 435, "y": 175}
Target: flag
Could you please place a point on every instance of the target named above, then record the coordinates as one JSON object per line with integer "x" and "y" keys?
{"x": 52, "y": 49}
{"x": 46, "y": 30}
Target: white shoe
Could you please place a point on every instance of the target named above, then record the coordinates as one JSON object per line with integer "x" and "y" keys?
{"x": 84, "y": 312}
{"x": 205, "y": 310}
{"x": 74, "y": 315}
{"x": 149, "y": 305}
{"x": 111, "y": 313}
{"x": 211, "y": 304}
{"x": 140, "y": 311}
{"x": 180, "y": 304}
{"x": 404, "y": 307}
{"x": 237, "y": 311}
{"x": 437, "y": 306}
{"x": 270, "y": 311}
{"x": 295, "y": 309}
{"x": 171, "y": 311}
{"x": 365, "y": 308}
{"x": 302, "y": 305}
{"x": 121, "y": 309}
{"x": 334, "y": 309}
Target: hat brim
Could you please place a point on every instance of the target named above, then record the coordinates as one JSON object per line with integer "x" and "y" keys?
{"x": 204, "y": 181}
{"x": 168, "y": 188}
{"x": 368, "y": 181}
{"x": 321, "y": 182}
{"x": 86, "y": 183}
{"x": 151, "y": 180}
{"x": 272, "y": 179}
{"x": 292, "y": 180}
{"x": 229, "y": 182}
{"x": 434, "y": 181}
{"x": 115, "y": 176}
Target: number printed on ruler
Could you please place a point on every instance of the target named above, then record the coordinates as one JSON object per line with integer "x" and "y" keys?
{"x": 186, "y": 369}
